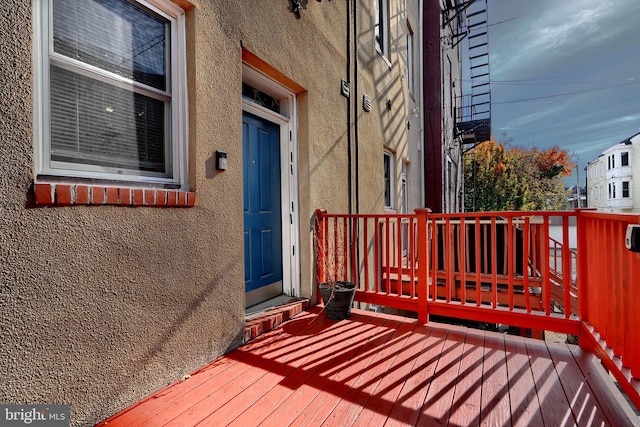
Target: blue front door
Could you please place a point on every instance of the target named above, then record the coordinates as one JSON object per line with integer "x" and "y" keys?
{"x": 262, "y": 209}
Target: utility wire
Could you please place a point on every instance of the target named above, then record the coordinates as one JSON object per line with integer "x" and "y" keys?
{"x": 565, "y": 94}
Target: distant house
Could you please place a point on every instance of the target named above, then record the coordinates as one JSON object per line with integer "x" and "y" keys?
{"x": 576, "y": 197}
{"x": 161, "y": 162}
{"x": 613, "y": 180}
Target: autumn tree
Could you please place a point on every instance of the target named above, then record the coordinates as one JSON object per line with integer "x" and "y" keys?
{"x": 500, "y": 176}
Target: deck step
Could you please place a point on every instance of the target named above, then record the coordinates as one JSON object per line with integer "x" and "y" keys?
{"x": 272, "y": 318}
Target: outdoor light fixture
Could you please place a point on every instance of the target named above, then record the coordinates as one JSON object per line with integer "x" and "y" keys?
{"x": 632, "y": 239}
{"x": 298, "y": 5}
{"x": 295, "y": 8}
{"x": 221, "y": 160}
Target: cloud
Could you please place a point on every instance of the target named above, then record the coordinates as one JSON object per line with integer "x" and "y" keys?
{"x": 582, "y": 48}
{"x": 614, "y": 122}
{"x": 557, "y": 28}
{"x": 534, "y": 117}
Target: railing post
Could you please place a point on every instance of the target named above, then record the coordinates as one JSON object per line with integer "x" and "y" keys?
{"x": 422, "y": 215}
{"x": 320, "y": 224}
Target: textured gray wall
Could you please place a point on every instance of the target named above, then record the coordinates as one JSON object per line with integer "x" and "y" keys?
{"x": 102, "y": 305}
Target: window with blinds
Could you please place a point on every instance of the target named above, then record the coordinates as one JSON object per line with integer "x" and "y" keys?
{"x": 108, "y": 88}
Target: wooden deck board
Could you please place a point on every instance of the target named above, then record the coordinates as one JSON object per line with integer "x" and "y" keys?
{"x": 553, "y": 402}
{"x": 583, "y": 406}
{"x": 406, "y": 410}
{"x": 309, "y": 387}
{"x": 318, "y": 409}
{"x": 524, "y": 404}
{"x": 359, "y": 393}
{"x": 375, "y": 369}
{"x": 437, "y": 406}
{"x": 377, "y": 408}
{"x": 495, "y": 409}
{"x": 252, "y": 399}
{"x": 468, "y": 392}
{"x": 615, "y": 409}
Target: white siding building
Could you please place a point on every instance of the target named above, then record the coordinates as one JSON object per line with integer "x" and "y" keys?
{"x": 613, "y": 181}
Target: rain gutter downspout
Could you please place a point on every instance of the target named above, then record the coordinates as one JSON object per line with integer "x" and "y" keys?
{"x": 349, "y": 120}
{"x": 355, "y": 102}
{"x": 421, "y": 106}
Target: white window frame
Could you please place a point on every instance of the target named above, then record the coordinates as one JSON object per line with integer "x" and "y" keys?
{"x": 410, "y": 61}
{"x": 624, "y": 155}
{"x": 177, "y": 129}
{"x": 627, "y": 191}
{"x": 381, "y": 25}
{"x": 391, "y": 178}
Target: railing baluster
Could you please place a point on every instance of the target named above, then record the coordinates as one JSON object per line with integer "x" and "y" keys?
{"x": 345, "y": 248}
{"x": 387, "y": 260}
{"x": 478, "y": 238}
{"x": 448, "y": 255}
{"x": 365, "y": 256}
{"x": 354, "y": 250}
{"x": 412, "y": 255}
{"x": 525, "y": 262}
{"x": 486, "y": 232}
{"x": 618, "y": 294}
{"x": 321, "y": 243}
{"x": 336, "y": 250}
{"x": 546, "y": 289}
{"x": 566, "y": 266}
{"x": 462, "y": 250}
{"x": 510, "y": 247}
{"x": 377, "y": 257}
{"x": 399, "y": 255}
{"x": 494, "y": 264}
{"x": 435, "y": 259}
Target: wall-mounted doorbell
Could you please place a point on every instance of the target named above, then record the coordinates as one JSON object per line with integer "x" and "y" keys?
{"x": 221, "y": 160}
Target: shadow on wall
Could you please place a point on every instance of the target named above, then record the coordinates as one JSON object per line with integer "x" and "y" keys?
{"x": 153, "y": 353}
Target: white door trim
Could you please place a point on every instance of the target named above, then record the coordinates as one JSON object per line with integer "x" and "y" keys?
{"x": 287, "y": 120}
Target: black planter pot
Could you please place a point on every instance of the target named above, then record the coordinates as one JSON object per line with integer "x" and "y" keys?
{"x": 337, "y": 298}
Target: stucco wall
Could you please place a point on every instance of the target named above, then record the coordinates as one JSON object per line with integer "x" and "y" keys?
{"x": 102, "y": 305}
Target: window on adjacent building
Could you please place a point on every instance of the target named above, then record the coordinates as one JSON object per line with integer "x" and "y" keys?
{"x": 388, "y": 179}
{"x": 410, "y": 62}
{"x": 111, "y": 90}
{"x": 609, "y": 195}
{"x": 404, "y": 208}
{"x": 625, "y": 189}
{"x": 624, "y": 159}
{"x": 381, "y": 27}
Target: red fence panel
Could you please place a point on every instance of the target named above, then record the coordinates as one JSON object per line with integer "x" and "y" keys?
{"x": 610, "y": 303}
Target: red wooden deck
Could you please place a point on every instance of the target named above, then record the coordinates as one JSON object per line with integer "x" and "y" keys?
{"x": 375, "y": 369}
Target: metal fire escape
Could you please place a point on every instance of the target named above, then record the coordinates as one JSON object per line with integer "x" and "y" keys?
{"x": 473, "y": 118}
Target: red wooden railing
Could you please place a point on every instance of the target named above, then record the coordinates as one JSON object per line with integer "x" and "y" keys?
{"x": 609, "y": 295}
{"x": 498, "y": 267}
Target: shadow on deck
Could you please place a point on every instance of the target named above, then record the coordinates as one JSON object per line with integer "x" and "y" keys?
{"x": 379, "y": 369}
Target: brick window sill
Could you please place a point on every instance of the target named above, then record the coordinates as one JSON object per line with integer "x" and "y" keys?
{"x": 49, "y": 194}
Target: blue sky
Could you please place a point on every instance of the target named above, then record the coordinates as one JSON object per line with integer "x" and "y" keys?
{"x": 581, "y": 58}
